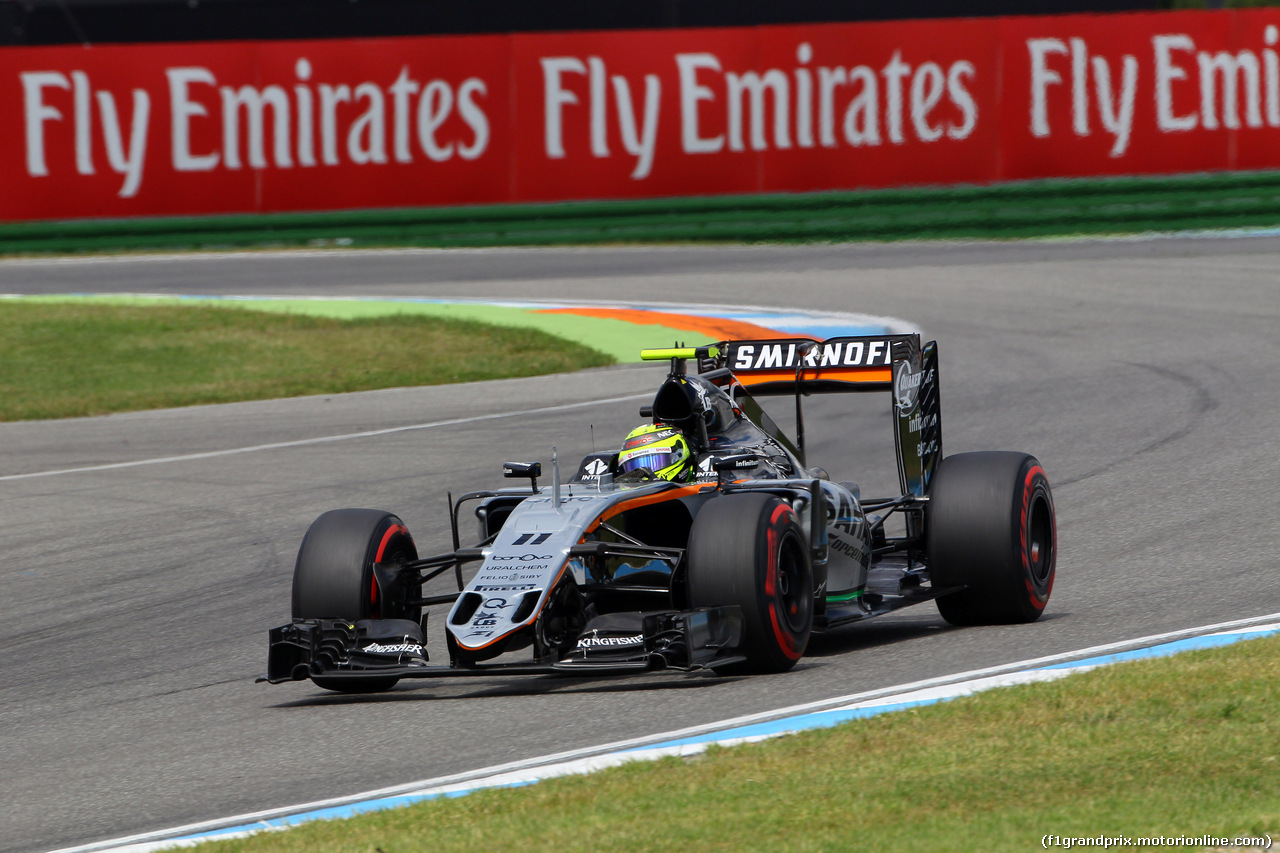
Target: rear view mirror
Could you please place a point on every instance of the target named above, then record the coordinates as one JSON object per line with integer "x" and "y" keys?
{"x": 523, "y": 470}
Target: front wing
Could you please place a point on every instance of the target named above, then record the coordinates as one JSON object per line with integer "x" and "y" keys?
{"x": 339, "y": 651}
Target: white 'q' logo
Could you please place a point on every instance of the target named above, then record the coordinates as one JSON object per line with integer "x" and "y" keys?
{"x": 906, "y": 387}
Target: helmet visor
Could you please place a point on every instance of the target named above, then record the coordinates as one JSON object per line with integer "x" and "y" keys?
{"x": 655, "y": 460}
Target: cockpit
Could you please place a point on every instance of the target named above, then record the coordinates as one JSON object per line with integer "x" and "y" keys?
{"x": 715, "y": 426}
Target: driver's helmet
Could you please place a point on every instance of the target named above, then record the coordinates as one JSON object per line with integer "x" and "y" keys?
{"x": 659, "y": 447}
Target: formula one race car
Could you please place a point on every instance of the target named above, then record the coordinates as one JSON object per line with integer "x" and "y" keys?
{"x": 728, "y": 566}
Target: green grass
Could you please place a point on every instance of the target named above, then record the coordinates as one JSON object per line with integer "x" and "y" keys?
{"x": 1016, "y": 209}
{"x": 1188, "y": 745}
{"x": 64, "y": 359}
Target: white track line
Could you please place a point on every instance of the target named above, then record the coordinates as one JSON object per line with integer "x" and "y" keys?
{"x": 581, "y": 760}
{"x": 323, "y": 439}
{"x": 893, "y": 325}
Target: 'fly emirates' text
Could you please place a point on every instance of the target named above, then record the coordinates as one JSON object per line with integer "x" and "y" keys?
{"x": 305, "y": 123}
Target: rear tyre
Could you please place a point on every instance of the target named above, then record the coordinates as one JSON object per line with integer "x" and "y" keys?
{"x": 333, "y": 577}
{"x": 749, "y": 550}
{"x": 991, "y": 528}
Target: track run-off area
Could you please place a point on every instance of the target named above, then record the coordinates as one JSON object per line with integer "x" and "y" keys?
{"x": 135, "y": 595}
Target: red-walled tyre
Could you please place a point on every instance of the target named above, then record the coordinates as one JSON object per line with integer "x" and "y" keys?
{"x": 333, "y": 576}
{"x": 749, "y": 550}
{"x": 991, "y": 529}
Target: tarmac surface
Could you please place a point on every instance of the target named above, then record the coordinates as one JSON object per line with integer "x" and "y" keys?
{"x": 135, "y": 599}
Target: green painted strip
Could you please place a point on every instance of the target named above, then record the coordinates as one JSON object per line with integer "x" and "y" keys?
{"x": 618, "y": 338}
{"x": 848, "y": 596}
{"x": 1020, "y": 209}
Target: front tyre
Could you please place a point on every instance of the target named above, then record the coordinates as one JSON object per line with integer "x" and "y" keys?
{"x": 333, "y": 577}
{"x": 749, "y": 550}
{"x": 991, "y": 528}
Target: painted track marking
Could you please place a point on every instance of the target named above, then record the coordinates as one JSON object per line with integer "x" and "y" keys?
{"x": 323, "y": 439}
{"x": 688, "y": 741}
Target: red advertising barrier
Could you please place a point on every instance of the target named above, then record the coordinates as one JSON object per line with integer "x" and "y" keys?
{"x": 320, "y": 125}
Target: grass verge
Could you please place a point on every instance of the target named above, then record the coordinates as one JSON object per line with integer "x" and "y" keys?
{"x": 1180, "y": 746}
{"x": 1123, "y": 205}
{"x": 619, "y": 339}
{"x": 65, "y": 360}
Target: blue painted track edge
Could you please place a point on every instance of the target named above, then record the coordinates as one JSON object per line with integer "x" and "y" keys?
{"x": 725, "y": 734}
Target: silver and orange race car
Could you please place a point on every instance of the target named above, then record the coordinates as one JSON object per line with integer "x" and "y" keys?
{"x": 730, "y": 569}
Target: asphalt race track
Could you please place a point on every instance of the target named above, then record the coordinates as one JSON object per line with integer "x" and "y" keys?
{"x": 135, "y": 599}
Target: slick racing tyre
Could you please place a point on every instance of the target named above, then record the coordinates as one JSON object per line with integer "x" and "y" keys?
{"x": 991, "y": 529}
{"x": 333, "y": 577}
{"x": 749, "y": 550}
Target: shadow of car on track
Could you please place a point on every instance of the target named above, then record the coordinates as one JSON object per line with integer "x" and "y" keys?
{"x": 886, "y": 632}
{"x": 871, "y": 634}
{"x": 447, "y": 689}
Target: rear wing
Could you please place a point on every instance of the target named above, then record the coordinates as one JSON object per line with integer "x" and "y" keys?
{"x": 898, "y": 364}
{"x": 779, "y": 366}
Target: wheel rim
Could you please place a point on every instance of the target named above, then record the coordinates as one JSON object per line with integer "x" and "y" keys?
{"x": 395, "y": 547}
{"x": 791, "y": 596}
{"x": 1040, "y": 542}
